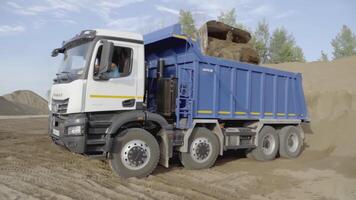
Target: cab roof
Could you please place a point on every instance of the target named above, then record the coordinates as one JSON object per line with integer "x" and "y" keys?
{"x": 119, "y": 34}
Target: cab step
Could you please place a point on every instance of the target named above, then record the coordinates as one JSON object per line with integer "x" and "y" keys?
{"x": 96, "y": 141}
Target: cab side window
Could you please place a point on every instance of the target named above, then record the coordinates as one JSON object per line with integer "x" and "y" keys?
{"x": 122, "y": 58}
{"x": 121, "y": 66}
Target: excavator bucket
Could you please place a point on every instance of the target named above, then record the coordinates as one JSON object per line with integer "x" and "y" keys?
{"x": 224, "y": 41}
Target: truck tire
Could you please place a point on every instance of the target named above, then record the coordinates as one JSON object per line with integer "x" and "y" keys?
{"x": 203, "y": 150}
{"x": 291, "y": 142}
{"x": 135, "y": 153}
{"x": 268, "y": 145}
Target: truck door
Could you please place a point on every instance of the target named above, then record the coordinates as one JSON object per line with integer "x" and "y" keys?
{"x": 119, "y": 92}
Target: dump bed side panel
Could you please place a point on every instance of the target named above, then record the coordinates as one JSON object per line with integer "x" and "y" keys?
{"x": 236, "y": 92}
{"x": 220, "y": 89}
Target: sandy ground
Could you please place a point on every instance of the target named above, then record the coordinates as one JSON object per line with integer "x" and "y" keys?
{"x": 31, "y": 167}
{"x": 21, "y": 116}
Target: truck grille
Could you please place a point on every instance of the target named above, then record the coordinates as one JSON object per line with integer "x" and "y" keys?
{"x": 60, "y": 106}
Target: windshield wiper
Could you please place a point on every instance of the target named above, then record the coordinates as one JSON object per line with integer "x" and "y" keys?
{"x": 62, "y": 76}
{"x": 64, "y": 72}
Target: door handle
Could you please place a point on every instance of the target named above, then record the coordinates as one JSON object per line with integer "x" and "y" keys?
{"x": 128, "y": 103}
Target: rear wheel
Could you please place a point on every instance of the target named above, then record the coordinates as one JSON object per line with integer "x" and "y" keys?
{"x": 268, "y": 145}
{"x": 291, "y": 142}
{"x": 203, "y": 149}
{"x": 135, "y": 154}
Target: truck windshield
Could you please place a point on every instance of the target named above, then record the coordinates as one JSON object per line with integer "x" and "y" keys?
{"x": 74, "y": 60}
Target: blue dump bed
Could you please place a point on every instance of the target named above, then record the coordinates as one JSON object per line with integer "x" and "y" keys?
{"x": 210, "y": 87}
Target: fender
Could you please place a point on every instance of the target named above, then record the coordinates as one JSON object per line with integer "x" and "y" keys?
{"x": 217, "y": 131}
{"x": 138, "y": 115}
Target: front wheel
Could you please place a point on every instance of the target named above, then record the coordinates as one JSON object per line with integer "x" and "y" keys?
{"x": 135, "y": 153}
{"x": 203, "y": 150}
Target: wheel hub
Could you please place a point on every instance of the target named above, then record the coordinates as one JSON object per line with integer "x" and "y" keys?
{"x": 135, "y": 154}
{"x": 268, "y": 144}
{"x": 201, "y": 149}
{"x": 292, "y": 142}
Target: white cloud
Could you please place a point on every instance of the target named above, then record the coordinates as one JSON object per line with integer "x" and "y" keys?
{"x": 129, "y": 24}
{"x": 39, "y": 23}
{"x": 166, "y": 9}
{"x": 6, "y": 29}
{"x": 60, "y": 7}
{"x": 13, "y": 4}
{"x": 50, "y": 6}
{"x": 285, "y": 14}
{"x": 262, "y": 10}
{"x": 49, "y": 11}
{"x": 213, "y": 8}
{"x": 117, "y": 4}
{"x": 104, "y": 8}
{"x": 143, "y": 24}
{"x": 62, "y": 10}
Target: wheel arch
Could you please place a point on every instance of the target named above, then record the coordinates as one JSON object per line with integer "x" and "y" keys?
{"x": 139, "y": 116}
{"x": 212, "y": 125}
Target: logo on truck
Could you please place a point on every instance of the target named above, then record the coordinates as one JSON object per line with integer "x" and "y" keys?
{"x": 57, "y": 94}
{"x": 207, "y": 70}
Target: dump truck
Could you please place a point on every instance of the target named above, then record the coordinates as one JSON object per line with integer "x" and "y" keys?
{"x": 171, "y": 98}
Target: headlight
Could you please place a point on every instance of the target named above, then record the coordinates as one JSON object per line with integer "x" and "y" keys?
{"x": 54, "y": 108}
{"x": 75, "y": 130}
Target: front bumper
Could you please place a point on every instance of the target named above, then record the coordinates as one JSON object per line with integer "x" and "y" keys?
{"x": 58, "y": 131}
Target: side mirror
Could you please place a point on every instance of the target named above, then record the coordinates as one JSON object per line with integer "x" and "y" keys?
{"x": 106, "y": 56}
{"x": 55, "y": 52}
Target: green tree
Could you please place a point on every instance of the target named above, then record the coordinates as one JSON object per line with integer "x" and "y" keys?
{"x": 324, "y": 57}
{"x": 344, "y": 43}
{"x": 298, "y": 55}
{"x": 283, "y": 49}
{"x": 187, "y": 22}
{"x": 229, "y": 18}
{"x": 260, "y": 40}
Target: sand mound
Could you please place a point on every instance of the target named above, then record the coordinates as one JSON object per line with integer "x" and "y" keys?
{"x": 11, "y": 108}
{"x": 23, "y": 102}
{"x": 333, "y": 118}
{"x": 330, "y": 90}
{"x": 325, "y": 76}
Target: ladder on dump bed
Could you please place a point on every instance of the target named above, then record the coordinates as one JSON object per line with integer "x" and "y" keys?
{"x": 185, "y": 99}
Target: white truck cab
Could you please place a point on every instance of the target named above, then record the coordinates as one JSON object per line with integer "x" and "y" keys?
{"x": 76, "y": 88}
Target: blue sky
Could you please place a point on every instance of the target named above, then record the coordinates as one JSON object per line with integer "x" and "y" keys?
{"x": 29, "y": 30}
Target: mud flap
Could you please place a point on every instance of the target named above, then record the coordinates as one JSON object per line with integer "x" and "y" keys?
{"x": 166, "y": 147}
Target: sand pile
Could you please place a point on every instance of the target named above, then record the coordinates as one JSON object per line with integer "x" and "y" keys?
{"x": 330, "y": 89}
{"x": 23, "y": 102}
{"x": 11, "y": 108}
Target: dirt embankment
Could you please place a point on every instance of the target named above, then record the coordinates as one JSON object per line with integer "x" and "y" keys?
{"x": 330, "y": 90}
{"x": 23, "y": 102}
